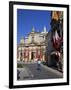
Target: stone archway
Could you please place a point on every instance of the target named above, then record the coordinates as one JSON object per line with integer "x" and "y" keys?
{"x": 32, "y": 55}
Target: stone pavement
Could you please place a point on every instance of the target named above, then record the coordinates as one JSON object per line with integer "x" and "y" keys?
{"x": 25, "y": 73}
{"x": 29, "y": 71}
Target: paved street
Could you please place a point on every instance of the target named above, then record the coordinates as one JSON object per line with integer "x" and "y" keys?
{"x": 30, "y": 71}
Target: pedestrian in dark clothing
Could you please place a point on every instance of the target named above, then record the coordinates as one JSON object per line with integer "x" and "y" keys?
{"x": 38, "y": 64}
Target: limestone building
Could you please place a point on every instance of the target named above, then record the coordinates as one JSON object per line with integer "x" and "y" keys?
{"x": 32, "y": 47}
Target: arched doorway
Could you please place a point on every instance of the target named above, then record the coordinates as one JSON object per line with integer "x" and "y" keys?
{"x": 32, "y": 55}
{"x": 53, "y": 60}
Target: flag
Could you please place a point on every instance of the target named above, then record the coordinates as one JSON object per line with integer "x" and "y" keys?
{"x": 56, "y": 40}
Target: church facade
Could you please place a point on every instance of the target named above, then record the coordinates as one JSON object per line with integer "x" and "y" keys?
{"x": 33, "y": 46}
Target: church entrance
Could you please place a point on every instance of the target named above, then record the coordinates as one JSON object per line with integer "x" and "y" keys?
{"x": 32, "y": 55}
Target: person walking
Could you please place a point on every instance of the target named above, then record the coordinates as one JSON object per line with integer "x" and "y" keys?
{"x": 38, "y": 64}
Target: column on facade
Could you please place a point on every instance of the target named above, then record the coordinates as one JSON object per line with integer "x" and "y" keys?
{"x": 40, "y": 54}
{"x": 29, "y": 54}
{"x": 24, "y": 54}
{"x": 17, "y": 54}
{"x": 43, "y": 55}
{"x": 33, "y": 54}
{"x": 36, "y": 53}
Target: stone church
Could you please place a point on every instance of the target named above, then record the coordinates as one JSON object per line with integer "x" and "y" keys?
{"x": 33, "y": 46}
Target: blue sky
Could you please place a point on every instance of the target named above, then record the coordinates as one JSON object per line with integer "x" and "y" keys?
{"x": 27, "y": 19}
